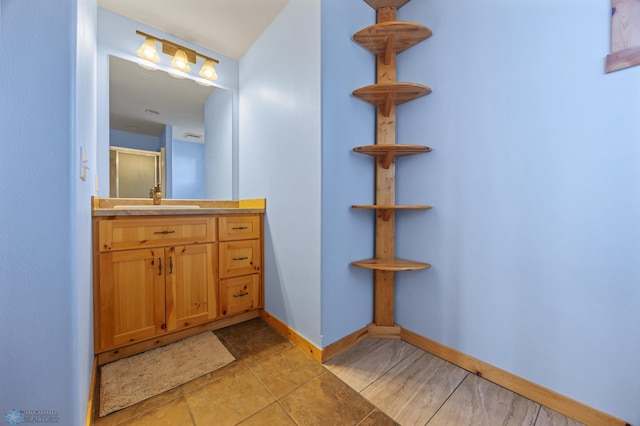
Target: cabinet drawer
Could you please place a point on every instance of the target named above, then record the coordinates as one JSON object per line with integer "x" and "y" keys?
{"x": 239, "y": 294}
{"x": 240, "y": 258}
{"x": 123, "y": 234}
{"x": 244, "y": 227}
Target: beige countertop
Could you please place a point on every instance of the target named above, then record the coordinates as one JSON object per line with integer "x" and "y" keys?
{"x": 145, "y": 206}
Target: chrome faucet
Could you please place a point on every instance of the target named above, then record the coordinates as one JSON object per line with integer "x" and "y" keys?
{"x": 156, "y": 194}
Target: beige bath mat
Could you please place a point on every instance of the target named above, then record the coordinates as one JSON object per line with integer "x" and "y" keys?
{"x": 136, "y": 378}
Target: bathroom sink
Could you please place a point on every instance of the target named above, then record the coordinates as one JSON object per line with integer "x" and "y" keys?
{"x": 156, "y": 207}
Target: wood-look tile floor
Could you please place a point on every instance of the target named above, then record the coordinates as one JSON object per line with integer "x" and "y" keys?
{"x": 377, "y": 382}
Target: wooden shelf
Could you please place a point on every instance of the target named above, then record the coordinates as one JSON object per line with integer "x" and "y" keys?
{"x": 391, "y": 37}
{"x": 393, "y": 265}
{"x": 386, "y": 3}
{"x": 385, "y": 39}
{"x": 385, "y": 95}
{"x": 390, "y": 151}
{"x": 385, "y": 211}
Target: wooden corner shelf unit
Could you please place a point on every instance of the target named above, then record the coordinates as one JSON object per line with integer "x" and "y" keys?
{"x": 385, "y": 40}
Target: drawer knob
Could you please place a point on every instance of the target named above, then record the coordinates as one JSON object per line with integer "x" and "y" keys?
{"x": 244, "y": 293}
{"x": 240, "y": 258}
{"x": 164, "y": 232}
{"x": 240, "y": 227}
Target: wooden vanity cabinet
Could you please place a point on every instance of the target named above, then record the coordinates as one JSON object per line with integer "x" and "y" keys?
{"x": 239, "y": 294}
{"x": 145, "y": 292}
{"x": 240, "y": 263}
{"x": 131, "y": 295}
{"x": 190, "y": 294}
{"x": 158, "y": 275}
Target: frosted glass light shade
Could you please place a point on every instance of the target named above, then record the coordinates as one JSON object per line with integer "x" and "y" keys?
{"x": 208, "y": 71}
{"x": 180, "y": 61}
{"x": 148, "y": 50}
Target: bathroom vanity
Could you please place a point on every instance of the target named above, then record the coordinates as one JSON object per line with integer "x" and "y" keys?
{"x": 164, "y": 272}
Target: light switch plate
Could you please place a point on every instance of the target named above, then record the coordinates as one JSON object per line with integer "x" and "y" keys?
{"x": 83, "y": 164}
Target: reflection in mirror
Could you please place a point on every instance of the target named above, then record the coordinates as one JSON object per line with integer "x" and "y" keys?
{"x": 151, "y": 111}
{"x": 134, "y": 171}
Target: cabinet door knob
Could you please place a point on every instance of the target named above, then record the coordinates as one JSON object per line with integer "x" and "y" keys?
{"x": 159, "y": 266}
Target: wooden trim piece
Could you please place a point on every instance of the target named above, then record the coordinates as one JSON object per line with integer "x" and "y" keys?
{"x": 92, "y": 403}
{"x": 320, "y": 355}
{"x": 623, "y": 59}
{"x": 253, "y": 203}
{"x": 292, "y": 335}
{"x": 336, "y": 348}
{"x": 156, "y": 342}
{"x": 386, "y": 3}
{"x": 560, "y": 403}
{"x": 384, "y": 332}
{"x": 95, "y": 266}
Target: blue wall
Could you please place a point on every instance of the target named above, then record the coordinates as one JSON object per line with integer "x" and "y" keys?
{"x": 134, "y": 140}
{"x": 280, "y": 149}
{"x": 46, "y": 334}
{"x": 188, "y": 170}
{"x": 347, "y": 177}
{"x": 166, "y": 142}
{"x": 535, "y": 184}
{"x": 219, "y": 158}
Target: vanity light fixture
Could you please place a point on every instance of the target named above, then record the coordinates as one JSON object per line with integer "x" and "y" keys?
{"x": 182, "y": 56}
{"x": 148, "y": 50}
{"x": 180, "y": 61}
{"x": 208, "y": 71}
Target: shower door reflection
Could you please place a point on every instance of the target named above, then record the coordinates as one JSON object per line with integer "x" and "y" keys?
{"x": 133, "y": 172}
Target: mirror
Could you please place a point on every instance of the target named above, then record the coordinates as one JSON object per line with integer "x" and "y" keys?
{"x": 189, "y": 124}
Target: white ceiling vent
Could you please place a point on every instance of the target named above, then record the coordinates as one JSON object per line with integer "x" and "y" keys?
{"x": 193, "y": 137}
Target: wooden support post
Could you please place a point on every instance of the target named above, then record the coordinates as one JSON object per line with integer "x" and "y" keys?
{"x": 384, "y": 281}
{"x": 384, "y": 298}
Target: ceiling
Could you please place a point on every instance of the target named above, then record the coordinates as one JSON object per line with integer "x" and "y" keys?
{"x": 229, "y": 27}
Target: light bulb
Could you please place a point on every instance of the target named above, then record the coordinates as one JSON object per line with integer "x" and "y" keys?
{"x": 148, "y": 50}
{"x": 208, "y": 71}
{"x": 180, "y": 61}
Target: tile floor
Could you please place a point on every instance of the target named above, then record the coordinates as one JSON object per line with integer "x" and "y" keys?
{"x": 377, "y": 382}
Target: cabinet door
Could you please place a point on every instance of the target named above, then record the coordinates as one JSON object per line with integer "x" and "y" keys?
{"x": 131, "y": 296}
{"x": 191, "y": 294}
{"x": 240, "y": 258}
{"x": 239, "y": 294}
